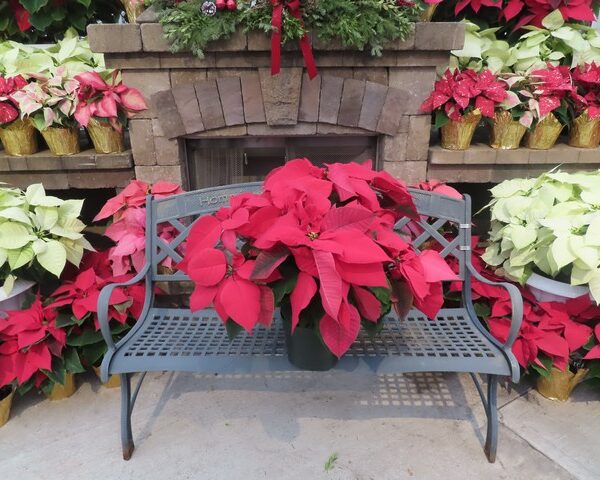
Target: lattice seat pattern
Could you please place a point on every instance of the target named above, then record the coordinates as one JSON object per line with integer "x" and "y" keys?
{"x": 180, "y": 340}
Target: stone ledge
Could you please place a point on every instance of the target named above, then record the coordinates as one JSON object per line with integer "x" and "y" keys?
{"x": 117, "y": 38}
{"x": 86, "y": 170}
{"x": 44, "y": 161}
{"x": 482, "y": 154}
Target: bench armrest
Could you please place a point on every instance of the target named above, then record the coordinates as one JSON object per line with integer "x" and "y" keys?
{"x": 104, "y": 299}
{"x": 515, "y": 298}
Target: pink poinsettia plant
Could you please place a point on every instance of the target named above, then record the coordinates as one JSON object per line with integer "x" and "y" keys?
{"x": 459, "y": 92}
{"x": 318, "y": 240}
{"x": 9, "y": 110}
{"x": 128, "y": 226}
{"x": 49, "y": 101}
{"x": 107, "y": 100}
{"x": 76, "y": 303}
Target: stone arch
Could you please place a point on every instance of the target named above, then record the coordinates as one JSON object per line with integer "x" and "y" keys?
{"x": 284, "y": 100}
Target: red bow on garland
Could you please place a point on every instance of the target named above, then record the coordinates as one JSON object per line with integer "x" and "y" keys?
{"x": 294, "y": 8}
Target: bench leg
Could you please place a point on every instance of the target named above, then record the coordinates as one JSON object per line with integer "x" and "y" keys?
{"x": 126, "y": 408}
{"x": 491, "y": 407}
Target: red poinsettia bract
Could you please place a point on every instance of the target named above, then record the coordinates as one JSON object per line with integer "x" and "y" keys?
{"x": 461, "y": 91}
{"x": 28, "y": 340}
{"x": 335, "y": 225}
{"x": 587, "y": 82}
{"x": 8, "y": 107}
{"x": 532, "y": 12}
{"x": 81, "y": 294}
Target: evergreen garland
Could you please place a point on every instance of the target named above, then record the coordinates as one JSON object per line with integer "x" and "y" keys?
{"x": 187, "y": 28}
{"x": 357, "y": 24}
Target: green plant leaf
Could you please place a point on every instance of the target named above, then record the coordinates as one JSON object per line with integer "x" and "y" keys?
{"x": 88, "y": 337}
{"x": 72, "y": 361}
{"x": 33, "y": 6}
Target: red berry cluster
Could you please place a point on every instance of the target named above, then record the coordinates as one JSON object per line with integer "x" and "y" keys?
{"x": 229, "y": 4}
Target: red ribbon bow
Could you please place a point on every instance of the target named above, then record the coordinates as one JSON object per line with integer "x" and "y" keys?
{"x": 277, "y": 20}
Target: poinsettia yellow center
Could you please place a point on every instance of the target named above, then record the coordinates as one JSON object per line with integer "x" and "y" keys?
{"x": 313, "y": 235}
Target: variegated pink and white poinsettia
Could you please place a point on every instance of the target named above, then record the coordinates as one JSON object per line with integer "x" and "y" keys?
{"x": 49, "y": 101}
{"x": 530, "y": 98}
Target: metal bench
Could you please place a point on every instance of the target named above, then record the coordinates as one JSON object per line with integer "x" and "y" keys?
{"x": 179, "y": 340}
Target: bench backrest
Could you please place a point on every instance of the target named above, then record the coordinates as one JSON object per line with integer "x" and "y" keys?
{"x": 180, "y": 212}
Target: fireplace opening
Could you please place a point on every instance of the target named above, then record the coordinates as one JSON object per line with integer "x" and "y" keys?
{"x": 214, "y": 162}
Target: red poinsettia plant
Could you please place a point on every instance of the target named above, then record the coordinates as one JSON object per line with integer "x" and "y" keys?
{"x": 106, "y": 100}
{"x": 9, "y": 110}
{"x": 76, "y": 300}
{"x": 33, "y": 349}
{"x": 318, "y": 242}
{"x": 587, "y": 83}
{"x": 459, "y": 92}
{"x": 128, "y": 227}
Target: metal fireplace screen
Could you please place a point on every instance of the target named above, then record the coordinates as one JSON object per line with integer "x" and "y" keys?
{"x": 213, "y": 162}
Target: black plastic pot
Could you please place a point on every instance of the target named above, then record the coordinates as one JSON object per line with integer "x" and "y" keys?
{"x": 305, "y": 347}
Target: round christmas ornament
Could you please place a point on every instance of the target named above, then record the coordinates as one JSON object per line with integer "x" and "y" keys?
{"x": 231, "y": 5}
{"x": 209, "y": 8}
{"x": 221, "y": 4}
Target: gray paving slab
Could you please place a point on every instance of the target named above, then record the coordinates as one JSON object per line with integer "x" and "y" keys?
{"x": 280, "y": 426}
{"x": 568, "y": 433}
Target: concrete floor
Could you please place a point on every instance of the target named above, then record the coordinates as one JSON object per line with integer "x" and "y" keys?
{"x": 286, "y": 426}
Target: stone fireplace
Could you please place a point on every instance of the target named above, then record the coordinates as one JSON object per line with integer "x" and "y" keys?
{"x": 225, "y": 118}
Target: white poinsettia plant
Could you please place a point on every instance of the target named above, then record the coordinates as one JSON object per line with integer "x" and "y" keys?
{"x": 50, "y": 101}
{"x": 38, "y": 231}
{"x": 549, "y": 225}
{"x": 555, "y": 43}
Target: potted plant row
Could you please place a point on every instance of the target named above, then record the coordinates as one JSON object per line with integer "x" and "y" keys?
{"x": 58, "y": 106}
{"x": 536, "y": 106}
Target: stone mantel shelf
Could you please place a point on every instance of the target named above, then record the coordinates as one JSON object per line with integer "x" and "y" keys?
{"x": 148, "y": 37}
{"x": 482, "y": 164}
{"x": 86, "y": 169}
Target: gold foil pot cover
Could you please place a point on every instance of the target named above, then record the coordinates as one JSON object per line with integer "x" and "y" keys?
{"x": 105, "y": 138}
{"x": 506, "y": 133}
{"x": 19, "y": 138}
{"x": 114, "y": 381}
{"x": 133, "y": 9}
{"x": 559, "y": 385}
{"x": 427, "y": 14}
{"x": 457, "y": 135}
{"x": 545, "y": 133}
{"x": 5, "y": 405}
{"x": 60, "y": 392}
{"x": 585, "y": 133}
{"x": 62, "y": 141}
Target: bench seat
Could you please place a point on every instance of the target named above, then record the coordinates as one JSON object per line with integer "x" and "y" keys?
{"x": 179, "y": 340}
